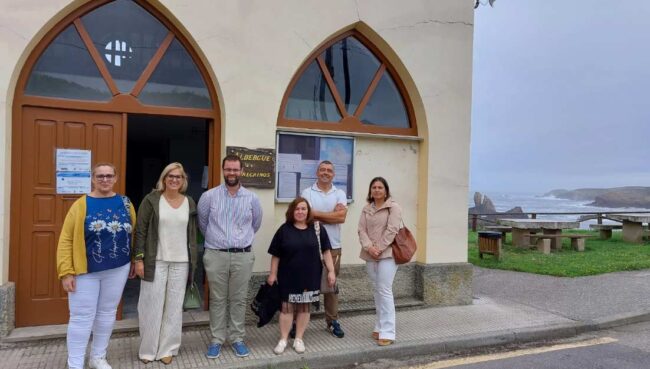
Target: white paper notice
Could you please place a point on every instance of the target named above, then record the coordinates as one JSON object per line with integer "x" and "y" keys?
{"x": 289, "y": 163}
{"x": 72, "y": 182}
{"x": 306, "y": 183}
{"x": 70, "y": 160}
{"x": 308, "y": 169}
{"x": 287, "y": 185}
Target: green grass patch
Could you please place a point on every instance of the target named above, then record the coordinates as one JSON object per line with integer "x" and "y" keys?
{"x": 599, "y": 257}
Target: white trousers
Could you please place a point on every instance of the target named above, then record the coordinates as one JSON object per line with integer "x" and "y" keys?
{"x": 381, "y": 273}
{"x": 92, "y": 309}
{"x": 160, "y": 310}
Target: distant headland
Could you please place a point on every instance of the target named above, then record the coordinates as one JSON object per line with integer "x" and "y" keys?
{"x": 617, "y": 197}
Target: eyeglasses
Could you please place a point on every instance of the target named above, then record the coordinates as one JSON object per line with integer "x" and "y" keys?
{"x": 104, "y": 177}
{"x": 175, "y": 177}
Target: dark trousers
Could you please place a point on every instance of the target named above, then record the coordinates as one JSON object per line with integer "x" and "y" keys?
{"x": 332, "y": 299}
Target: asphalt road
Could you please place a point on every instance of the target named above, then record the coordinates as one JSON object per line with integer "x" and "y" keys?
{"x": 621, "y": 348}
{"x": 625, "y": 347}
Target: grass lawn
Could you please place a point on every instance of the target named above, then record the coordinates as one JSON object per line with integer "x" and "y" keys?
{"x": 600, "y": 256}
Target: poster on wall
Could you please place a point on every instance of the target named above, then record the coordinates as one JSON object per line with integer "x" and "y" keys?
{"x": 73, "y": 170}
{"x": 298, "y": 158}
{"x": 71, "y": 160}
{"x": 72, "y": 183}
{"x": 258, "y": 165}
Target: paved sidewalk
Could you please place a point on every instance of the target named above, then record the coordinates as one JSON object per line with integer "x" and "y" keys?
{"x": 509, "y": 307}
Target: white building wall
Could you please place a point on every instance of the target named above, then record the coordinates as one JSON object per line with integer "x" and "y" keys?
{"x": 252, "y": 50}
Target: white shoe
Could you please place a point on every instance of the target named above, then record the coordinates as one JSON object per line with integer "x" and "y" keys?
{"x": 279, "y": 348}
{"x": 98, "y": 363}
{"x": 298, "y": 345}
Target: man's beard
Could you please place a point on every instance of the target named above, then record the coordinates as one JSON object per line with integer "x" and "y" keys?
{"x": 231, "y": 182}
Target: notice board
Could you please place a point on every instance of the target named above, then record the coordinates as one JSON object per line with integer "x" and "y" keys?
{"x": 298, "y": 156}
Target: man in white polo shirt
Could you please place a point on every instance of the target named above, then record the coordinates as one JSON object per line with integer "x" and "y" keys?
{"x": 329, "y": 206}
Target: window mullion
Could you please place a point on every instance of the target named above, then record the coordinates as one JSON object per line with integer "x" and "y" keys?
{"x": 332, "y": 86}
{"x": 146, "y": 73}
{"x": 370, "y": 90}
{"x": 103, "y": 70}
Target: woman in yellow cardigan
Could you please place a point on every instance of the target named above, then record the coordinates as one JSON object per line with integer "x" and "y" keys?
{"x": 93, "y": 263}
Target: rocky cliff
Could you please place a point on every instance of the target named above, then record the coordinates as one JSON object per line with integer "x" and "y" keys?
{"x": 617, "y": 197}
{"x": 581, "y": 194}
{"x": 629, "y": 197}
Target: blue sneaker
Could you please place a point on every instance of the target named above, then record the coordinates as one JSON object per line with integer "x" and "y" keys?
{"x": 214, "y": 350}
{"x": 334, "y": 327}
{"x": 240, "y": 348}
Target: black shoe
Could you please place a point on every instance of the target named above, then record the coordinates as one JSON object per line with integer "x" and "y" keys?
{"x": 292, "y": 332}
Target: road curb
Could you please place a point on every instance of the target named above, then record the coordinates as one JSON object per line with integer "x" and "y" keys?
{"x": 349, "y": 358}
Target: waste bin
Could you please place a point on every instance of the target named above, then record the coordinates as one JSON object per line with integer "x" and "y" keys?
{"x": 489, "y": 243}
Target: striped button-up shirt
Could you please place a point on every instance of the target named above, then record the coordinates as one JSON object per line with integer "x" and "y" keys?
{"x": 229, "y": 221}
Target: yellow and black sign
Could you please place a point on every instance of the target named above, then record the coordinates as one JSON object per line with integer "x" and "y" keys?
{"x": 259, "y": 166}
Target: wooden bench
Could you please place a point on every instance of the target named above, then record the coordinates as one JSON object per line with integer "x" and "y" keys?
{"x": 543, "y": 241}
{"x": 503, "y": 229}
{"x": 605, "y": 230}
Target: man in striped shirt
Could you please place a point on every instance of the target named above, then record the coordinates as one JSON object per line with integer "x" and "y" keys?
{"x": 229, "y": 215}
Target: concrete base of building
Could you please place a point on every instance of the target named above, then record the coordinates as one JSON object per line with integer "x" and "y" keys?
{"x": 444, "y": 284}
{"x": 7, "y": 308}
{"x": 434, "y": 284}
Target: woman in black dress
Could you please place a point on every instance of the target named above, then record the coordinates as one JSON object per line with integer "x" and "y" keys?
{"x": 296, "y": 267}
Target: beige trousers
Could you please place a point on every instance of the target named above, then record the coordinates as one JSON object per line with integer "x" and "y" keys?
{"x": 228, "y": 275}
{"x": 160, "y": 311}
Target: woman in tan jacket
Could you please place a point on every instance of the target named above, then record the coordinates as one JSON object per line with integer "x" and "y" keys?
{"x": 378, "y": 225}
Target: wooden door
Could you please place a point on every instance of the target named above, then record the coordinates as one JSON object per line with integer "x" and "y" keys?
{"x": 40, "y": 299}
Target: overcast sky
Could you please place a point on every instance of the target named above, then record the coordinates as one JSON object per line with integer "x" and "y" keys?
{"x": 561, "y": 95}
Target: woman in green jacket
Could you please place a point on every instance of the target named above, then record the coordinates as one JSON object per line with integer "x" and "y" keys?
{"x": 165, "y": 253}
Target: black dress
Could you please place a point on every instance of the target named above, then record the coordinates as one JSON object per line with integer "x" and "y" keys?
{"x": 299, "y": 270}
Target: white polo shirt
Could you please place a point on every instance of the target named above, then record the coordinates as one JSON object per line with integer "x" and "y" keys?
{"x": 326, "y": 201}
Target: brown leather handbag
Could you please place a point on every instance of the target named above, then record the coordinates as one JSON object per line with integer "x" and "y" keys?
{"x": 403, "y": 245}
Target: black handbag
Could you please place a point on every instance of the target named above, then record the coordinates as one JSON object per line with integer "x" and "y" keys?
{"x": 266, "y": 303}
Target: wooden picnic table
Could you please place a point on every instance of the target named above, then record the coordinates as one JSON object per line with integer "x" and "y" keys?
{"x": 632, "y": 225}
{"x": 522, "y": 228}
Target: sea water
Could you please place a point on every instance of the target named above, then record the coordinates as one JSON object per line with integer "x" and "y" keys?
{"x": 537, "y": 203}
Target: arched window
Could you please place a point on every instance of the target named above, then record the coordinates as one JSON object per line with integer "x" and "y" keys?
{"x": 116, "y": 49}
{"x": 347, "y": 85}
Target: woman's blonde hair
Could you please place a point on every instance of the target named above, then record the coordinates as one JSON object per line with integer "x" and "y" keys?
{"x": 160, "y": 185}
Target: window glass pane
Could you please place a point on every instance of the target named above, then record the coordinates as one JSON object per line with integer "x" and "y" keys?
{"x": 126, "y": 36}
{"x": 176, "y": 81}
{"x": 386, "y": 107}
{"x": 352, "y": 67}
{"x": 311, "y": 98}
{"x": 66, "y": 70}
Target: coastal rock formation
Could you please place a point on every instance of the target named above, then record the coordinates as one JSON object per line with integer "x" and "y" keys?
{"x": 517, "y": 212}
{"x": 580, "y": 194}
{"x": 617, "y": 197}
{"x": 483, "y": 205}
{"x": 633, "y": 197}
